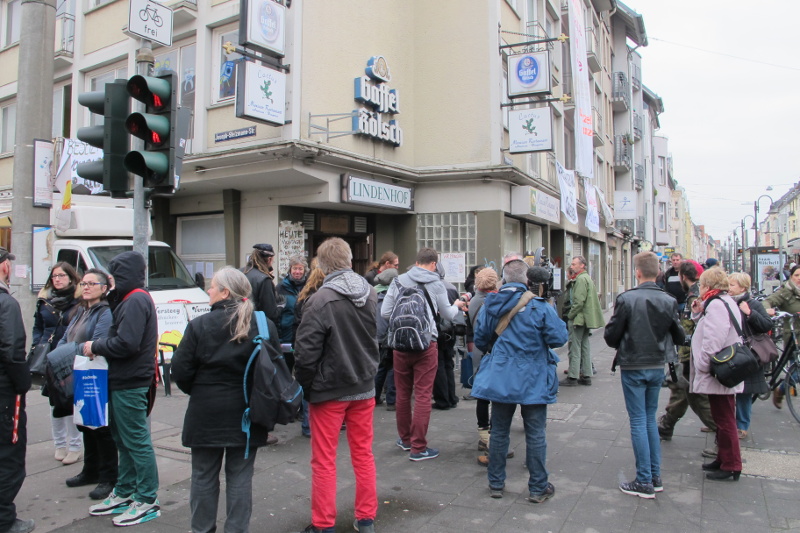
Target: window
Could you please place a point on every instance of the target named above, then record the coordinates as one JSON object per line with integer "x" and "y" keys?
{"x": 201, "y": 238}
{"x": 98, "y": 83}
{"x": 662, "y": 170}
{"x": 62, "y": 110}
{"x": 8, "y": 125}
{"x": 662, "y": 216}
{"x": 183, "y": 61}
{"x": 13, "y": 22}
{"x": 228, "y": 63}
{"x": 448, "y": 232}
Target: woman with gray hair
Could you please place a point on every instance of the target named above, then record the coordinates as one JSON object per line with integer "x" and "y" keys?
{"x": 209, "y": 365}
{"x": 290, "y": 288}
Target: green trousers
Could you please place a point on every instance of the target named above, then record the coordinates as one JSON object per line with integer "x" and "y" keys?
{"x": 580, "y": 358}
{"x": 138, "y": 473}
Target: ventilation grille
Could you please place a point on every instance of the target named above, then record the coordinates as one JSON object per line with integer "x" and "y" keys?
{"x": 309, "y": 221}
{"x": 360, "y": 224}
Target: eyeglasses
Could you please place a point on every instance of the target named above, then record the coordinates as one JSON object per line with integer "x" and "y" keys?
{"x": 54, "y": 276}
{"x": 89, "y": 284}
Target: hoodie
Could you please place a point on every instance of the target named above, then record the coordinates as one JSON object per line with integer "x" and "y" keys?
{"x": 336, "y": 350}
{"x": 436, "y": 290}
{"x": 132, "y": 340}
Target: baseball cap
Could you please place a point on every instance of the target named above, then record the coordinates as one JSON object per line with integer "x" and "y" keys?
{"x": 5, "y": 254}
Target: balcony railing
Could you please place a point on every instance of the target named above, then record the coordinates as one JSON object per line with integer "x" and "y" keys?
{"x": 636, "y": 76}
{"x": 593, "y": 50}
{"x": 622, "y": 153}
{"x": 620, "y": 91}
{"x": 65, "y": 35}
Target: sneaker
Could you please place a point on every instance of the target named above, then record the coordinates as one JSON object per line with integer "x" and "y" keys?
{"x": 664, "y": 433}
{"x": 429, "y": 453}
{"x": 312, "y": 529}
{"x": 568, "y": 382}
{"x": 642, "y": 490}
{"x": 710, "y": 453}
{"x": 364, "y": 526}
{"x": 22, "y": 526}
{"x": 542, "y": 497}
{"x": 391, "y": 407}
{"x": 403, "y": 446}
{"x": 585, "y": 381}
{"x": 658, "y": 485}
{"x": 138, "y": 513}
{"x": 111, "y": 505}
{"x": 496, "y": 493}
{"x": 83, "y": 479}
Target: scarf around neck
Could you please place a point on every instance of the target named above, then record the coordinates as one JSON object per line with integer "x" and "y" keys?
{"x": 710, "y": 294}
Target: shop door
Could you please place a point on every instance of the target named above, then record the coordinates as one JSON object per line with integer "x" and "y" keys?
{"x": 359, "y": 244}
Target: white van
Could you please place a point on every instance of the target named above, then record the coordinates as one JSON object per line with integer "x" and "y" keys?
{"x": 96, "y": 235}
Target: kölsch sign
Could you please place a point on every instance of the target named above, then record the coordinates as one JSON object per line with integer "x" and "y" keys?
{"x": 368, "y": 192}
{"x": 380, "y": 103}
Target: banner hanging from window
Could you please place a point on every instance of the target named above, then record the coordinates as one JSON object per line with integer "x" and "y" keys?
{"x": 569, "y": 196}
{"x": 584, "y": 130}
{"x": 592, "y": 212}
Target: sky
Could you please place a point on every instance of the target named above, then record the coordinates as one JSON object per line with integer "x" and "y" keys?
{"x": 729, "y": 76}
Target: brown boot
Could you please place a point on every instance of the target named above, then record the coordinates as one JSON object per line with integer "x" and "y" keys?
{"x": 483, "y": 460}
{"x": 777, "y": 398}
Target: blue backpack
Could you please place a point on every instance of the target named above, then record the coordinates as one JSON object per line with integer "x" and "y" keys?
{"x": 272, "y": 394}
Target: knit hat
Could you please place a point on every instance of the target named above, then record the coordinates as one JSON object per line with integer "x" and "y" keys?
{"x": 386, "y": 277}
{"x": 486, "y": 280}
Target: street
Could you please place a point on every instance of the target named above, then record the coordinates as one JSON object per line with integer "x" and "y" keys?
{"x": 589, "y": 454}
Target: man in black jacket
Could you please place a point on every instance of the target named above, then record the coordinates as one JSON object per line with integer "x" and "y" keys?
{"x": 673, "y": 281}
{"x": 644, "y": 329}
{"x": 130, "y": 349}
{"x": 15, "y": 381}
{"x": 259, "y": 273}
{"x": 336, "y": 358}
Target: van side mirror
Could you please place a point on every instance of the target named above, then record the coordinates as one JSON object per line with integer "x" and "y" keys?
{"x": 200, "y": 280}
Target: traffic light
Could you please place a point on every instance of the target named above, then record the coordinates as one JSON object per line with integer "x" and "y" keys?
{"x": 163, "y": 127}
{"x": 112, "y": 104}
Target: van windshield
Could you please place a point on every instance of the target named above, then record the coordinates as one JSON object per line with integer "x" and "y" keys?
{"x": 165, "y": 270}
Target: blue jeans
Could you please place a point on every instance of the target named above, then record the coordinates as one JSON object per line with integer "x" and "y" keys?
{"x": 534, "y": 418}
{"x": 744, "y": 406}
{"x": 640, "y": 389}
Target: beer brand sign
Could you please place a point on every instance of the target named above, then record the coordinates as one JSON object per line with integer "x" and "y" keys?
{"x": 375, "y": 118}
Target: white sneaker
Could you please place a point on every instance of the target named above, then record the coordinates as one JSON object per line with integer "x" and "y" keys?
{"x": 137, "y": 513}
{"x": 111, "y": 505}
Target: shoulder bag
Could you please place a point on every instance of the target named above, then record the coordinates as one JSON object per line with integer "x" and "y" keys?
{"x": 734, "y": 363}
{"x": 760, "y": 344}
{"x": 37, "y": 357}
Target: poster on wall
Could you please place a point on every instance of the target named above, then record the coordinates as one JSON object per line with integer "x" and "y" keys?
{"x": 569, "y": 193}
{"x": 592, "y": 212}
{"x": 769, "y": 269}
{"x": 291, "y": 241}
{"x": 42, "y": 173}
{"x": 43, "y": 237}
{"x": 455, "y": 266}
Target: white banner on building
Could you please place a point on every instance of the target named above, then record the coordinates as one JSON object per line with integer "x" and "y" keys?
{"x": 530, "y": 130}
{"x": 625, "y": 205}
{"x": 607, "y": 211}
{"x": 592, "y": 213}
{"x": 584, "y": 130}
{"x": 569, "y": 196}
{"x": 73, "y": 153}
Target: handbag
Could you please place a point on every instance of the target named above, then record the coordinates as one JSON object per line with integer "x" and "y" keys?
{"x": 763, "y": 346}
{"x": 734, "y": 363}
{"x": 37, "y": 358}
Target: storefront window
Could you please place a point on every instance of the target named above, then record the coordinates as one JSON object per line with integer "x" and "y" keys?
{"x": 512, "y": 237}
{"x": 448, "y": 232}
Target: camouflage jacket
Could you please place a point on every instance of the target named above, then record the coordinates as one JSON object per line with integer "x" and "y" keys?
{"x": 685, "y": 352}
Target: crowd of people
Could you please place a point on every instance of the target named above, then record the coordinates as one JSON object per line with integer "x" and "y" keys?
{"x": 346, "y": 339}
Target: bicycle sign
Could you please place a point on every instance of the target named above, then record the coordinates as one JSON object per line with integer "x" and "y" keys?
{"x": 150, "y": 20}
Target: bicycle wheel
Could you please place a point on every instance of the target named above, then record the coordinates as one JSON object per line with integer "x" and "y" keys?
{"x": 791, "y": 383}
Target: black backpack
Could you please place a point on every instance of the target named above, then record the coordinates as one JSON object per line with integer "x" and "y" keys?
{"x": 274, "y": 396}
{"x": 409, "y": 324}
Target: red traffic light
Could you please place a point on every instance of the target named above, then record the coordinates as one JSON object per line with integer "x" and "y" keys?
{"x": 155, "y": 93}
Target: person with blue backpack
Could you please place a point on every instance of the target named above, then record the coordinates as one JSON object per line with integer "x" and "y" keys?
{"x": 411, "y": 305}
{"x": 209, "y": 365}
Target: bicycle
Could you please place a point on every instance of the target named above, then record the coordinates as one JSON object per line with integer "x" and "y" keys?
{"x": 785, "y": 372}
{"x": 150, "y": 13}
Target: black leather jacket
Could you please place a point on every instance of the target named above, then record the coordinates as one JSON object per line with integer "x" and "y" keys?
{"x": 645, "y": 328}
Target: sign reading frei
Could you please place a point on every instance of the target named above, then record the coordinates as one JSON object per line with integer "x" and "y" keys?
{"x": 369, "y": 192}
{"x": 151, "y": 21}
{"x": 529, "y": 74}
{"x": 261, "y": 94}
{"x": 375, "y": 117}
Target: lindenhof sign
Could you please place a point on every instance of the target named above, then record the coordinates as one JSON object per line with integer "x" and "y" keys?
{"x": 368, "y": 192}
{"x": 380, "y": 103}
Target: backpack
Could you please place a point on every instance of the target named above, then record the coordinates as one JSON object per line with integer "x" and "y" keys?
{"x": 409, "y": 324}
{"x": 272, "y": 395}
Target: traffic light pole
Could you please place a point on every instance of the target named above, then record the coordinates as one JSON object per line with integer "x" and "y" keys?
{"x": 141, "y": 201}
{"x": 34, "y": 121}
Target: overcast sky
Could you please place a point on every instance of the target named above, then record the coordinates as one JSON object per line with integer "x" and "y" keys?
{"x": 733, "y": 123}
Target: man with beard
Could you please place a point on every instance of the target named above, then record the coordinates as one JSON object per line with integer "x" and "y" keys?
{"x": 680, "y": 398}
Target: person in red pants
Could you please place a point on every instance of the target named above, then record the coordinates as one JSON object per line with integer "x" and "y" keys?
{"x": 336, "y": 359}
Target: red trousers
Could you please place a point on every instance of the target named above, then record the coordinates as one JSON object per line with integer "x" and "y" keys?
{"x": 326, "y": 424}
{"x": 723, "y": 411}
{"x": 415, "y": 372}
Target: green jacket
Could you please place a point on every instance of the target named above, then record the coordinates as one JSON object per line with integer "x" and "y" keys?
{"x": 785, "y": 299}
{"x": 585, "y": 309}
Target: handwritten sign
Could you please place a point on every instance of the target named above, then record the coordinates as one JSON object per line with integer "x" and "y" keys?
{"x": 455, "y": 266}
{"x": 291, "y": 241}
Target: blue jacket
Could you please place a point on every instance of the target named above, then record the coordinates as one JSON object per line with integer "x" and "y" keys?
{"x": 522, "y": 353}
{"x": 290, "y": 289}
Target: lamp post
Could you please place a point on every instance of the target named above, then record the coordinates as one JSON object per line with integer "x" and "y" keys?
{"x": 756, "y": 280}
{"x": 744, "y": 240}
